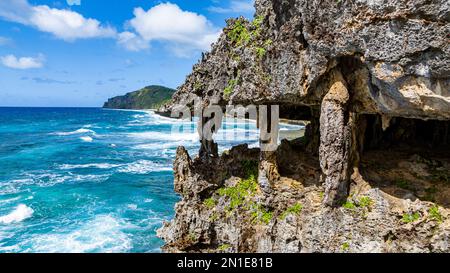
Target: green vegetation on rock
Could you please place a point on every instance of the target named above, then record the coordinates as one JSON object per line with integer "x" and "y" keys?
{"x": 224, "y": 247}
{"x": 434, "y": 214}
{"x": 365, "y": 202}
{"x": 295, "y": 209}
{"x": 362, "y": 205}
{"x": 410, "y": 217}
{"x": 345, "y": 247}
{"x": 209, "y": 203}
{"x": 229, "y": 89}
{"x": 261, "y": 215}
{"x": 239, "y": 33}
{"x": 349, "y": 205}
{"x": 238, "y": 193}
{"x": 150, "y": 97}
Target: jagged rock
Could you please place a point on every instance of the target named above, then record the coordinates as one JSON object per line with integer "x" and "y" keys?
{"x": 297, "y": 220}
{"x": 396, "y": 52}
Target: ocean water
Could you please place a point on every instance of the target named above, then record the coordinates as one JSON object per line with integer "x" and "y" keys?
{"x": 92, "y": 180}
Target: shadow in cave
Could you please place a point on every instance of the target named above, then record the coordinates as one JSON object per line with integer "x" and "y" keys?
{"x": 408, "y": 160}
{"x": 298, "y": 159}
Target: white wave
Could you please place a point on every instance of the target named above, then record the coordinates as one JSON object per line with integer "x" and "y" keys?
{"x": 86, "y": 166}
{"x": 132, "y": 206}
{"x": 102, "y": 234}
{"x": 89, "y": 178}
{"x": 14, "y": 186}
{"x": 87, "y": 139}
{"x": 139, "y": 116}
{"x": 150, "y": 118}
{"x": 166, "y": 136}
{"x": 46, "y": 180}
{"x": 292, "y": 129}
{"x": 160, "y": 146}
{"x": 254, "y": 145}
{"x": 9, "y": 200}
{"x": 144, "y": 167}
{"x": 21, "y": 213}
{"x": 167, "y": 120}
{"x": 52, "y": 179}
{"x": 77, "y": 132}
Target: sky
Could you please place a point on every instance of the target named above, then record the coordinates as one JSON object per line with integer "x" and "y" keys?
{"x": 79, "y": 53}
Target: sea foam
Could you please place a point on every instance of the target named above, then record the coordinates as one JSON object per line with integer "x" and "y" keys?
{"x": 21, "y": 213}
{"x": 77, "y": 132}
{"x": 144, "y": 167}
{"x": 87, "y": 139}
{"x": 193, "y": 137}
{"x": 104, "y": 233}
{"x": 88, "y": 166}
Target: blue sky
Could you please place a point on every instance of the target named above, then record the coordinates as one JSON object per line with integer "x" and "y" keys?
{"x": 81, "y": 52}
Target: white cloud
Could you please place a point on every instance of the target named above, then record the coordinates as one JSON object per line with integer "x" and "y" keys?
{"x": 236, "y": 6}
{"x": 12, "y": 61}
{"x": 181, "y": 31}
{"x": 68, "y": 25}
{"x": 185, "y": 31}
{"x": 15, "y": 10}
{"x": 63, "y": 24}
{"x": 132, "y": 42}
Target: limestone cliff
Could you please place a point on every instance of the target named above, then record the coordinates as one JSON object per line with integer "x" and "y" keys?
{"x": 372, "y": 172}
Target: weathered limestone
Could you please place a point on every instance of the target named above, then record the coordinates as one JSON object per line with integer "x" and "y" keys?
{"x": 335, "y": 141}
{"x": 268, "y": 125}
{"x": 208, "y": 125}
{"x": 268, "y": 171}
{"x": 212, "y": 226}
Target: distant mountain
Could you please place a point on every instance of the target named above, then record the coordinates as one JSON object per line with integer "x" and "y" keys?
{"x": 150, "y": 97}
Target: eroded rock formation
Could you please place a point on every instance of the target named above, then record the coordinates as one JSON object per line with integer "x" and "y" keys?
{"x": 368, "y": 76}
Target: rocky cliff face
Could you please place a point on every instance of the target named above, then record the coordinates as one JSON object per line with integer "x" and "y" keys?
{"x": 372, "y": 172}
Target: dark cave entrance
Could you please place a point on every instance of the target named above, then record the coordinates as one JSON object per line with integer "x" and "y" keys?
{"x": 406, "y": 132}
{"x": 408, "y": 158}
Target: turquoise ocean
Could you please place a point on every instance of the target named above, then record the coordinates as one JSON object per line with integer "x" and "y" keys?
{"x": 92, "y": 180}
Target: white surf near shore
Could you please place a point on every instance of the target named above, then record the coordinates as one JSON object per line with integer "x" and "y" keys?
{"x": 104, "y": 233}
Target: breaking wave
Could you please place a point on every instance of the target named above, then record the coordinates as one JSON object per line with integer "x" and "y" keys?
{"x": 144, "y": 167}
{"x": 77, "y": 132}
{"x": 21, "y": 213}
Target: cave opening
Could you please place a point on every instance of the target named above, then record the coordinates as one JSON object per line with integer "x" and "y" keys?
{"x": 298, "y": 154}
{"x": 407, "y": 158}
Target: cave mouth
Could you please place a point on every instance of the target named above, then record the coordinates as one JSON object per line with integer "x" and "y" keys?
{"x": 410, "y": 159}
{"x": 298, "y": 157}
